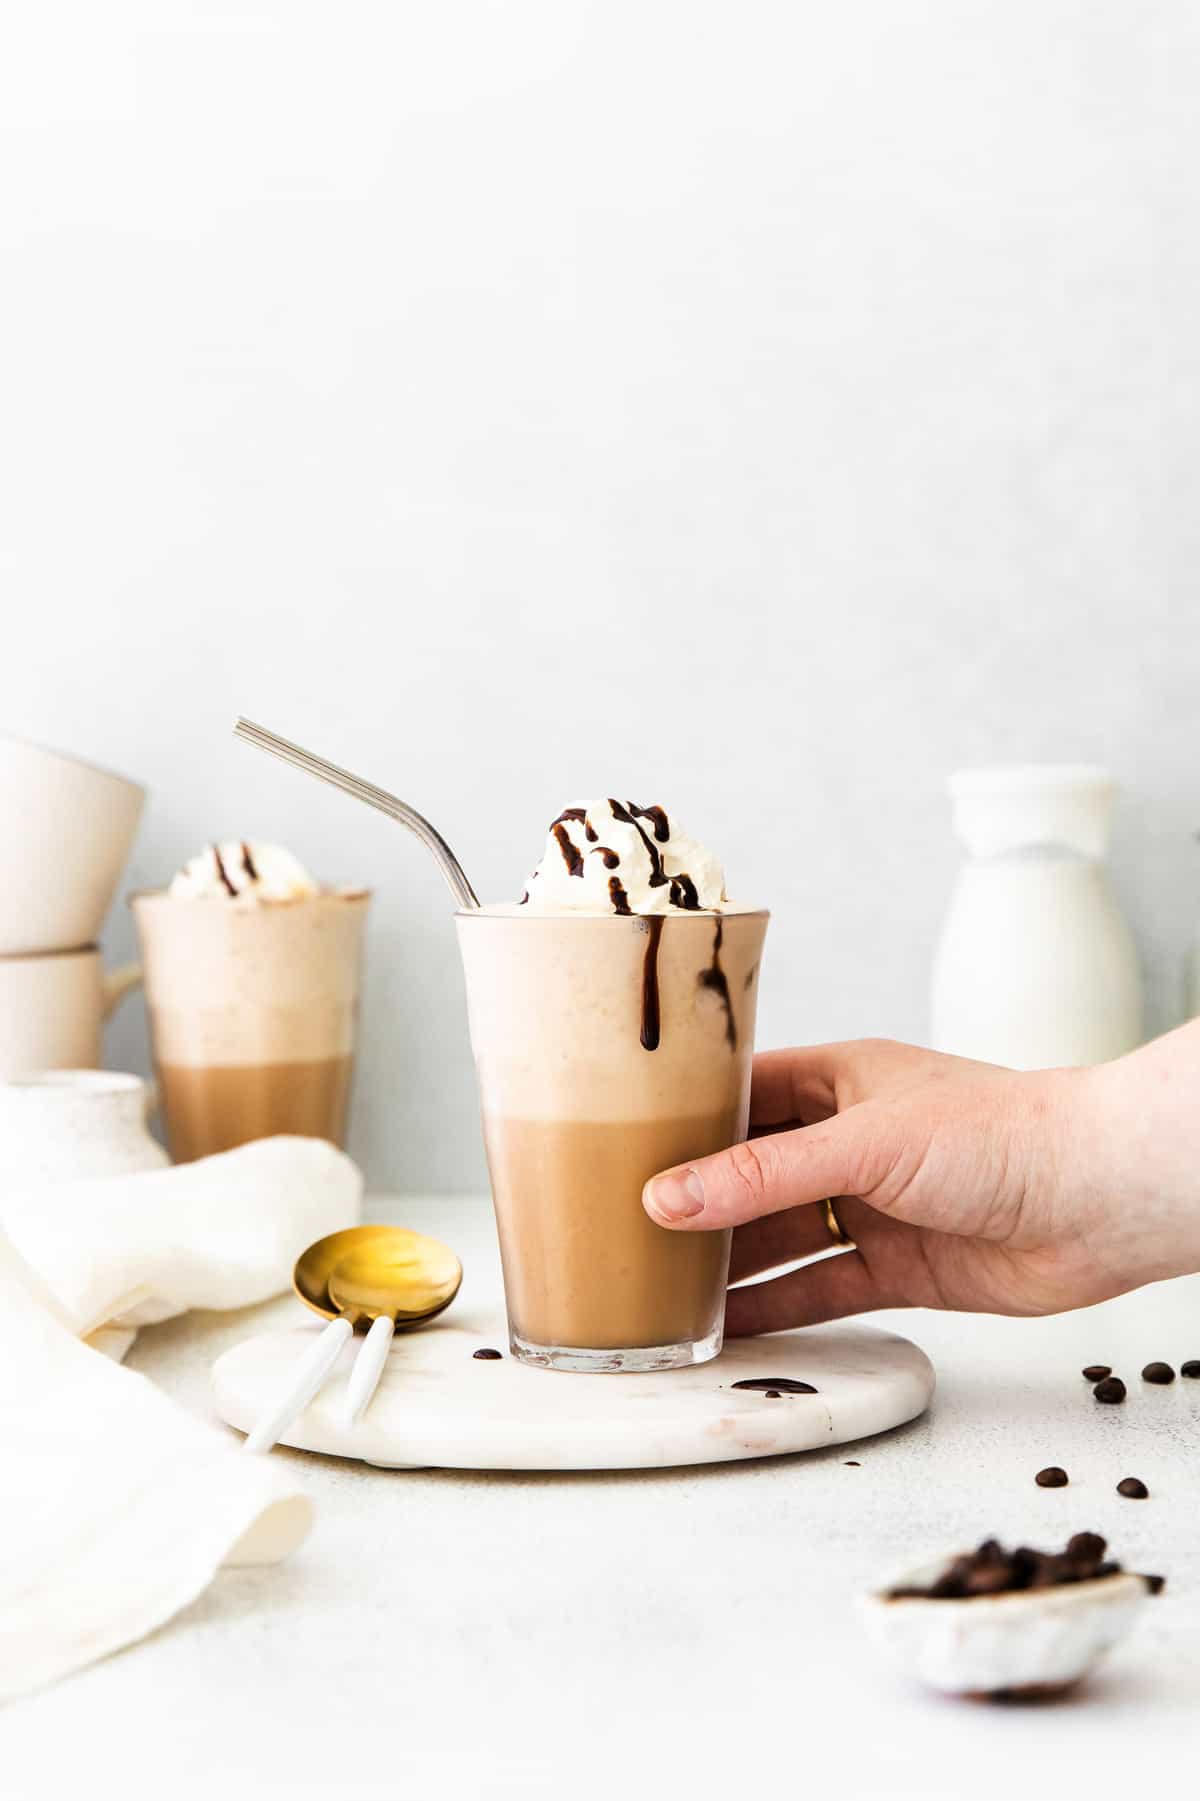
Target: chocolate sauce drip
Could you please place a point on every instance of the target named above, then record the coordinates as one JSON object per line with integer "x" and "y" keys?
{"x": 590, "y": 832}
{"x": 611, "y": 859}
{"x": 658, "y": 875}
{"x": 651, "y": 1018}
{"x": 223, "y": 872}
{"x": 683, "y": 893}
{"x": 524, "y": 899}
{"x": 618, "y": 896}
{"x": 248, "y": 863}
{"x": 776, "y": 1385}
{"x": 714, "y": 977}
{"x": 749, "y": 982}
{"x": 657, "y": 818}
{"x": 571, "y": 857}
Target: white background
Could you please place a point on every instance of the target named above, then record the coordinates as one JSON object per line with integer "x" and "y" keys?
{"x": 761, "y": 408}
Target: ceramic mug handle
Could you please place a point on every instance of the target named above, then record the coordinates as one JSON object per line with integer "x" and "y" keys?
{"x": 118, "y": 983}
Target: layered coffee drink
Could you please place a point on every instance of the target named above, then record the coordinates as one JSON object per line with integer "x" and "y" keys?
{"x": 612, "y": 1019}
{"x": 252, "y": 978}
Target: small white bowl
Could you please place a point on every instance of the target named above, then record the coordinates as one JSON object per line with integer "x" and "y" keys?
{"x": 1032, "y": 1642}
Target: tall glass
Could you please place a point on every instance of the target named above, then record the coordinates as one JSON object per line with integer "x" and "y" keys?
{"x": 252, "y": 1015}
{"x": 608, "y": 1048}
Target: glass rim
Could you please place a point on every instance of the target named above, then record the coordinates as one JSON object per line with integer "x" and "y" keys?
{"x": 515, "y": 911}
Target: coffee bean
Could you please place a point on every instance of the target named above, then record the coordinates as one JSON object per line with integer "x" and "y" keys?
{"x": 1155, "y": 1584}
{"x": 1158, "y": 1372}
{"x": 852, "y": 1463}
{"x": 1096, "y": 1372}
{"x": 487, "y": 1354}
{"x": 1191, "y": 1367}
{"x": 1053, "y": 1477}
{"x": 772, "y": 1394}
{"x": 1133, "y": 1489}
{"x": 1111, "y": 1389}
{"x": 775, "y": 1385}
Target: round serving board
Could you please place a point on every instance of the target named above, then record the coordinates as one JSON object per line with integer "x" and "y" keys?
{"x": 438, "y": 1405}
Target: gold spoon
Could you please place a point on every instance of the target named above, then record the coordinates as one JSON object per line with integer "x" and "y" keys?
{"x": 385, "y": 1278}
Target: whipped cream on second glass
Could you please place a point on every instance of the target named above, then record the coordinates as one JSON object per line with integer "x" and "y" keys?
{"x": 236, "y": 870}
{"x": 612, "y": 856}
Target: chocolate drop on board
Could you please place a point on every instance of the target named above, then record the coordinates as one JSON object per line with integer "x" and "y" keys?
{"x": 1133, "y": 1488}
{"x": 618, "y": 896}
{"x": 1052, "y": 1477}
{"x": 571, "y": 857}
{"x": 1191, "y": 1368}
{"x": 1158, "y": 1372}
{"x": 223, "y": 872}
{"x": 1096, "y": 1372}
{"x": 651, "y": 1018}
{"x": 776, "y": 1385}
{"x": 714, "y": 978}
{"x": 486, "y": 1354}
{"x": 1112, "y": 1389}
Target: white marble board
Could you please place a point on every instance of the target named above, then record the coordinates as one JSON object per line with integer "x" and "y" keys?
{"x": 438, "y": 1406}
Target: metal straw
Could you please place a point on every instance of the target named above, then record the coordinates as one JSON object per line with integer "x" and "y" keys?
{"x": 367, "y": 792}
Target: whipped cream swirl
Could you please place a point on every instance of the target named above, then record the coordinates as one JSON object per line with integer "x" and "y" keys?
{"x": 612, "y": 856}
{"x": 240, "y": 871}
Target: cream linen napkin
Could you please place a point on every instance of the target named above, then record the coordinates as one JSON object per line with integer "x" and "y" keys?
{"x": 116, "y": 1507}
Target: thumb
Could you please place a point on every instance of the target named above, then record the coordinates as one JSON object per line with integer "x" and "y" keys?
{"x": 765, "y": 1175}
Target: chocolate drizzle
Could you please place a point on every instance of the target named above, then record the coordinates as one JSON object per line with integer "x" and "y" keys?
{"x": 223, "y": 872}
{"x": 714, "y": 978}
{"x": 775, "y": 1386}
{"x": 651, "y": 1015}
{"x": 683, "y": 893}
{"x": 611, "y": 859}
{"x": 248, "y": 863}
{"x": 658, "y": 875}
{"x": 571, "y": 857}
{"x": 657, "y": 818}
{"x": 618, "y": 896}
{"x": 590, "y": 832}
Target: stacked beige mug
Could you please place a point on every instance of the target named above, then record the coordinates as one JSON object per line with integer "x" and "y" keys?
{"x": 66, "y": 830}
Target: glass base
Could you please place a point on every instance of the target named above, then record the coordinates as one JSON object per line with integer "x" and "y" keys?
{"x": 638, "y": 1360}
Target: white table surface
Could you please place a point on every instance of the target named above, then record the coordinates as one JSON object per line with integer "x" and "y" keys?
{"x": 673, "y": 1633}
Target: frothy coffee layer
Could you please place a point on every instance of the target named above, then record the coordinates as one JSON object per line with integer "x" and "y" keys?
{"x": 611, "y": 1018}
{"x": 236, "y": 986}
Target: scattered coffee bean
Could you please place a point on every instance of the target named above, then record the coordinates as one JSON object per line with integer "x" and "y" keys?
{"x": 1155, "y": 1584}
{"x": 1053, "y": 1477}
{"x": 772, "y": 1394}
{"x": 1133, "y": 1489}
{"x": 1096, "y": 1372}
{"x": 487, "y": 1354}
{"x": 1158, "y": 1372}
{"x": 852, "y": 1463}
{"x": 776, "y": 1385}
{"x": 1111, "y": 1389}
{"x": 1191, "y": 1367}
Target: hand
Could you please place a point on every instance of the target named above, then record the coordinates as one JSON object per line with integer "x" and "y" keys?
{"x": 962, "y": 1185}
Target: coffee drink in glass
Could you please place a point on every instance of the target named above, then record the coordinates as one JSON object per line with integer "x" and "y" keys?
{"x": 612, "y": 1020}
{"x": 252, "y": 987}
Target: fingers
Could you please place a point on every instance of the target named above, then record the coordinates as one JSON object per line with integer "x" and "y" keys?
{"x": 831, "y": 1289}
{"x": 813, "y": 1081}
{"x": 766, "y": 1175}
{"x": 779, "y": 1238}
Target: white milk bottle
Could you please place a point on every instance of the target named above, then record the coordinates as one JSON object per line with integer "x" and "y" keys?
{"x": 1036, "y": 967}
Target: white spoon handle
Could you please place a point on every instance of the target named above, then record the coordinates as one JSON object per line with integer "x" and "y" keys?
{"x": 368, "y": 1367}
{"x": 310, "y": 1378}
